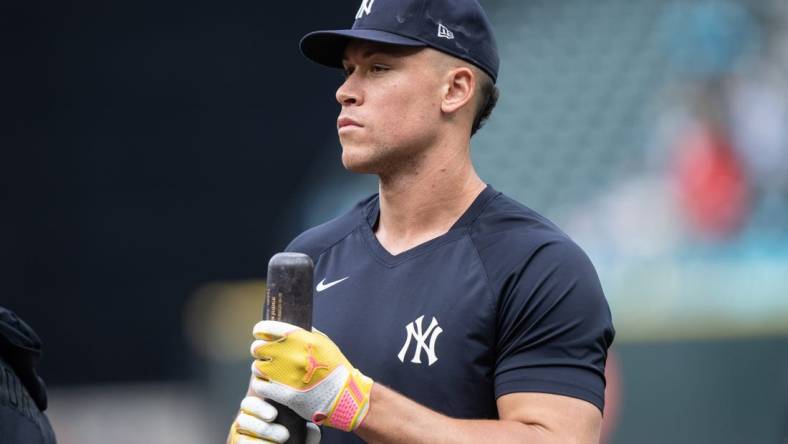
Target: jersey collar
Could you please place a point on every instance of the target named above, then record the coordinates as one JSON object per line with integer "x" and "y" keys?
{"x": 372, "y": 213}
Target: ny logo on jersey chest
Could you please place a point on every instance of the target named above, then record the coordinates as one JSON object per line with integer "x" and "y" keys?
{"x": 425, "y": 340}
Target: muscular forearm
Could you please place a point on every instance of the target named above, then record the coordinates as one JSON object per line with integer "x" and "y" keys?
{"x": 393, "y": 418}
{"x": 340, "y": 396}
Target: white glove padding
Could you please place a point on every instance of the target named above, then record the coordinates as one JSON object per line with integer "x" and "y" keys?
{"x": 254, "y": 425}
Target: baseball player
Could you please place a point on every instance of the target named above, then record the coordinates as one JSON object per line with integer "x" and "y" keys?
{"x": 447, "y": 312}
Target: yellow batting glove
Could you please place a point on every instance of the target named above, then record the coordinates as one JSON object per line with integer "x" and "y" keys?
{"x": 307, "y": 372}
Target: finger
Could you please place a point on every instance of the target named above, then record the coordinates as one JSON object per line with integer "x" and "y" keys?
{"x": 244, "y": 439}
{"x": 237, "y": 438}
{"x": 257, "y": 428}
{"x": 257, "y": 407}
{"x": 258, "y": 371}
{"x": 273, "y": 330}
{"x": 261, "y": 387}
{"x": 273, "y": 391}
{"x": 256, "y": 348}
{"x": 312, "y": 433}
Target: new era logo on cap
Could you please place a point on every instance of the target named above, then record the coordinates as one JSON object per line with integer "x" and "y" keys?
{"x": 444, "y": 32}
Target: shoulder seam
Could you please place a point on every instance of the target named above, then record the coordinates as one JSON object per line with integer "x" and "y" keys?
{"x": 332, "y": 245}
{"x": 361, "y": 218}
{"x": 483, "y": 209}
{"x": 493, "y": 301}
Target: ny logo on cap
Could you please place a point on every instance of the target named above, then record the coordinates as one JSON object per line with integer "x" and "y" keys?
{"x": 365, "y": 8}
{"x": 444, "y": 32}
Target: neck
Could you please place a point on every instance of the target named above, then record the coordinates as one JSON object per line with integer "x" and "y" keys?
{"x": 426, "y": 200}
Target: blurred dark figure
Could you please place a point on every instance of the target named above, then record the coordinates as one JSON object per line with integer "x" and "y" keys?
{"x": 23, "y": 397}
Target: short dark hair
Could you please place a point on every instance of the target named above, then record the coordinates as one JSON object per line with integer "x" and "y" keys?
{"x": 489, "y": 97}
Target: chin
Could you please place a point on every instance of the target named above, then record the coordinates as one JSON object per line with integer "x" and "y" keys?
{"x": 358, "y": 158}
{"x": 358, "y": 163}
{"x": 373, "y": 159}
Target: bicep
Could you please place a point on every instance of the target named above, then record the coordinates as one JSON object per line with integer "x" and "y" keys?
{"x": 554, "y": 328}
{"x": 561, "y": 418}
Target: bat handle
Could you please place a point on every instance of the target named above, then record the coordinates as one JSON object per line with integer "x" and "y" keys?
{"x": 289, "y": 299}
{"x": 294, "y": 423}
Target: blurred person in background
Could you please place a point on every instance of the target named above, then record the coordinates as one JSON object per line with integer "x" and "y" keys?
{"x": 488, "y": 323}
{"x": 23, "y": 396}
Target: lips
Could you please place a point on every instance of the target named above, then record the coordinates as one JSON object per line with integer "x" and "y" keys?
{"x": 344, "y": 122}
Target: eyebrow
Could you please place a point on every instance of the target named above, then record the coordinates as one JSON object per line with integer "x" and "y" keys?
{"x": 364, "y": 55}
{"x": 392, "y": 51}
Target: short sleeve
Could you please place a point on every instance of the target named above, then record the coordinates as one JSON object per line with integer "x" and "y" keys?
{"x": 554, "y": 326}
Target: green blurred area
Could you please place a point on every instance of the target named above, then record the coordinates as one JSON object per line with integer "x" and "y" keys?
{"x": 712, "y": 391}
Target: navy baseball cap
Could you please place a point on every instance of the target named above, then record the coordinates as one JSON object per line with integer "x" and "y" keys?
{"x": 457, "y": 27}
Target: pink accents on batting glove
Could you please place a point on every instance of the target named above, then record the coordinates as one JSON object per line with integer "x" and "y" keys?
{"x": 355, "y": 391}
{"x": 350, "y": 408}
{"x": 345, "y": 412}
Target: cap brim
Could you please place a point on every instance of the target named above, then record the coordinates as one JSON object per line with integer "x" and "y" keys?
{"x": 327, "y": 47}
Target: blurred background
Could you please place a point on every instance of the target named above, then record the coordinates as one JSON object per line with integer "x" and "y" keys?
{"x": 158, "y": 153}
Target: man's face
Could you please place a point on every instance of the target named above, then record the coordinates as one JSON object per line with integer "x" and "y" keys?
{"x": 391, "y": 106}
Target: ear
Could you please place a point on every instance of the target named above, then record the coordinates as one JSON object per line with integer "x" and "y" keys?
{"x": 458, "y": 90}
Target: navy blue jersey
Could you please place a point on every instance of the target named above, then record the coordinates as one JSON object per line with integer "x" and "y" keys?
{"x": 504, "y": 302}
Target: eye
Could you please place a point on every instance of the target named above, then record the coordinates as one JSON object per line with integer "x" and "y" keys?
{"x": 348, "y": 70}
{"x": 377, "y": 68}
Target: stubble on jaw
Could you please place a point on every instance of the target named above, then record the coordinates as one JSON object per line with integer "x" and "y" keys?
{"x": 391, "y": 155}
{"x": 384, "y": 161}
{"x": 398, "y": 155}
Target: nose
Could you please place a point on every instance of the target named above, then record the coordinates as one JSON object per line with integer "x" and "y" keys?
{"x": 348, "y": 93}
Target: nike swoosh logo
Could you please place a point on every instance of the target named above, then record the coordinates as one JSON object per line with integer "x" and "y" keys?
{"x": 323, "y": 286}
